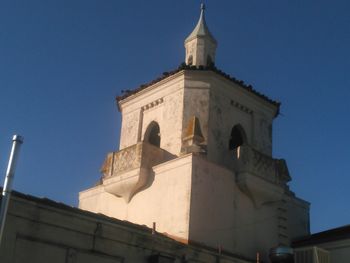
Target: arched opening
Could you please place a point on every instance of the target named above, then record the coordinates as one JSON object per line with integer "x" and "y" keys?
{"x": 152, "y": 134}
{"x": 237, "y": 137}
{"x": 190, "y": 60}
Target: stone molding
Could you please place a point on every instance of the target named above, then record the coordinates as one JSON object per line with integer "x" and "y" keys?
{"x": 253, "y": 161}
{"x": 129, "y": 170}
{"x": 152, "y": 104}
{"x": 241, "y": 107}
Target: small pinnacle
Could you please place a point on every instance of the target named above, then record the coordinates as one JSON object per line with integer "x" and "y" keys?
{"x": 202, "y": 6}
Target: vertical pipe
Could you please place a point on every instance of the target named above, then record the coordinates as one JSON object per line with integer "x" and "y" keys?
{"x": 154, "y": 228}
{"x": 6, "y": 191}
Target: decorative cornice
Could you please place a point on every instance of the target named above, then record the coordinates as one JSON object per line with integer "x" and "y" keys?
{"x": 212, "y": 68}
{"x": 152, "y": 104}
{"x": 241, "y": 107}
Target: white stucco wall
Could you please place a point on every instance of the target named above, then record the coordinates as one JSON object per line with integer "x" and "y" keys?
{"x": 193, "y": 199}
{"x": 200, "y": 49}
{"x": 163, "y": 103}
{"x": 218, "y": 103}
{"x": 298, "y": 215}
{"x": 165, "y": 201}
{"x": 200, "y": 198}
{"x": 231, "y": 105}
{"x": 196, "y": 103}
{"x": 40, "y": 231}
{"x": 222, "y": 215}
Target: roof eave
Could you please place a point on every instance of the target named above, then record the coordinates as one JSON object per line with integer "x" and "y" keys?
{"x": 126, "y": 97}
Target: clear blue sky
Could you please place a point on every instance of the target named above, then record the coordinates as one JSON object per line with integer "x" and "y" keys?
{"x": 63, "y": 62}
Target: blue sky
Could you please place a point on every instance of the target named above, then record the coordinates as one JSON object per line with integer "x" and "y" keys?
{"x": 63, "y": 62}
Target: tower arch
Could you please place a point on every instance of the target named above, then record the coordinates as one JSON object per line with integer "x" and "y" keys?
{"x": 152, "y": 134}
{"x": 238, "y": 137}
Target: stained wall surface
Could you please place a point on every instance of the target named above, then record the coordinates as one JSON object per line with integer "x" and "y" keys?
{"x": 195, "y": 200}
{"x": 40, "y": 230}
{"x": 165, "y": 201}
{"x": 209, "y": 194}
{"x": 160, "y": 103}
{"x": 223, "y": 214}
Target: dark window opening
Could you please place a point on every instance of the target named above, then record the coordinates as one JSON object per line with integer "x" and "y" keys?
{"x": 237, "y": 137}
{"x": 152, "y": 134}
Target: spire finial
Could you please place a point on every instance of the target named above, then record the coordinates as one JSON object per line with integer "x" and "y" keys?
{"x": 200, "y": 44}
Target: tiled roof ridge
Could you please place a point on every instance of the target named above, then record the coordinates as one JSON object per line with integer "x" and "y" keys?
{"x": 213, "y": 68}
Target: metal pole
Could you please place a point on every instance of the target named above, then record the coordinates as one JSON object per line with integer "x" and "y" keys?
{"x": 6, "y": 191}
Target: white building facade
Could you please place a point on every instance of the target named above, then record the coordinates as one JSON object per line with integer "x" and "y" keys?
{"x": 195, "y": 160}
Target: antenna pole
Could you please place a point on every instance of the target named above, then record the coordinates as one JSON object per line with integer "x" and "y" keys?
{"x": 6, "y": 191}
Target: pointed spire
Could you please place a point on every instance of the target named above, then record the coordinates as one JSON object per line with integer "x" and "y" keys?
{"x": 194, "y": 130}
{"x": 193, "y": 138}
{"x": 200, "y": 44}
{"x": 201, "y": 29}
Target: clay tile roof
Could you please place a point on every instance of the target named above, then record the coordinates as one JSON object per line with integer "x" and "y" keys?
{"x": 212, "y": 68}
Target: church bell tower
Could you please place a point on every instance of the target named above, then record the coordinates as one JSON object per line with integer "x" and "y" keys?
{"x": 195, "y": 160}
